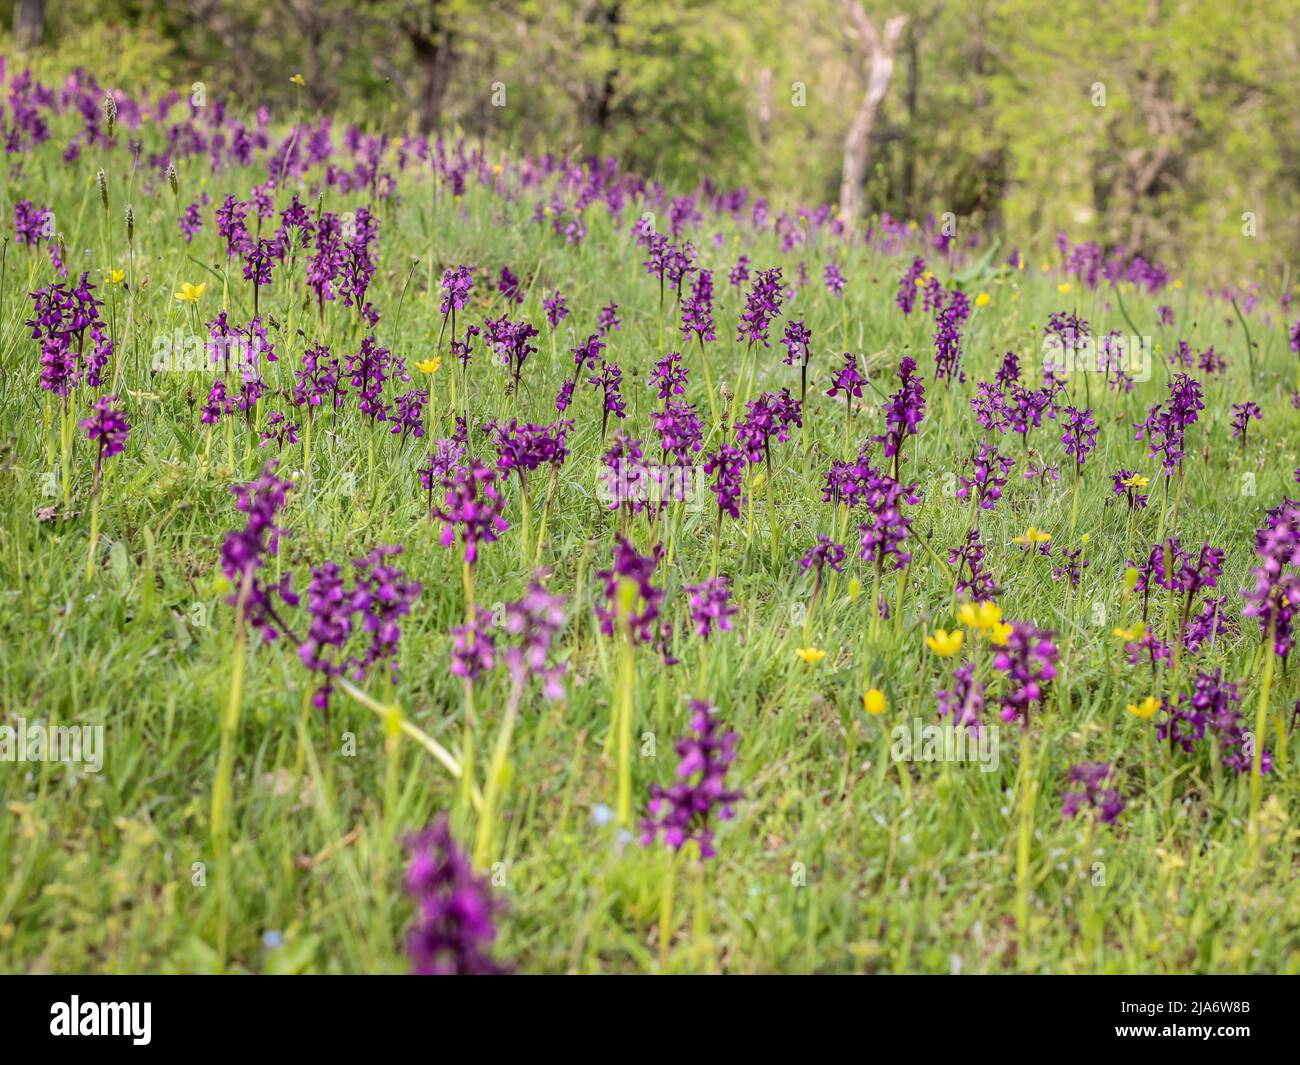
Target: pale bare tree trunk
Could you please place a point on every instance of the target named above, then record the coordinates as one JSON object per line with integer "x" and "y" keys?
{"x": 29, "y": 23}
{"x": 878, "y": 56}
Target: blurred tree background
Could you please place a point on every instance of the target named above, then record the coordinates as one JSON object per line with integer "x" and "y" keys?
{"x": 1152, "y": 124}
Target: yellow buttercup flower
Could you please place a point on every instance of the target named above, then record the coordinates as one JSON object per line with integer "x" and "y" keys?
{"x": 979, "y": 615}
{"x": 1136, "y": 481}
{"x": 1033, "y": 536}
{"x": 1146, "y": 709}
{"x": 1000, "y": 633}
{"x": 944, "y": 643}
{"x": 1046, "y": 266}
{"x": 982, "y": 300}
{"x": 811, "y": 654}
{"x": 1132, "y": 635}
{"x": 192, "y": 293}
{"x": 298, "y": 79}
{"x": 116, "y": 277}
{"x": 1064, "y": 287}
{"x": 873, "y": 701}
{"x": 1178, "y": 282}
{"x": 429, "y": 365}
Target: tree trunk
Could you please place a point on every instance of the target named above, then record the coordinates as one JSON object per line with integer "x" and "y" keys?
{"x": 29, "y": 23}
{"x": 878, "y": 54}
{"x": 428, "y": 30}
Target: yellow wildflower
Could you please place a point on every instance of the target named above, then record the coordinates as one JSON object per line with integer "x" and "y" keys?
{"x": 944, "y": 643}
{"x": 979, "y": 615}
{"x": 1146, "y": 709}
{"x": 1033, "y": 536}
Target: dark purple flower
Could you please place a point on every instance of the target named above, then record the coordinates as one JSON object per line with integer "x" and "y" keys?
{"x": 244, "y": 551}
{"x": 906, "y": 297}
{"x": 1126, "y": 483}
{"x": 796, "y": 340}
{"x": 682, "y": 811}
{"x": 1079, "y": 435}
{"x": 822, "y": 554}
{"x": 697, "y": 312}
{"x": 669, "y": 376}
{"x": 1276, "y": 592}
{"x": 631, "y": 602}
{"x": 1028, "y": 658}
{"x": 454, "y": 922}
{"x": 964, "y": 701}
{"x": 532, "y": 623}
{"x": 711, "y": 605}
{"x": 107, "y": 428}
{"x": 1242, "y": 413}
{"x": 846, "y": 380}
{"x": 1105, "y": 802}
{"x": 457, "y": 284}
{"x": 989, "y": 477}
{"x": 727, "y": 467}
{"x": 904, "y": 411}
{"x": 762, "y": 305}
{"x": 607, "y": 321}
{"x": 556, "y": 309}
{"x": 973, "y": 579}
{"x": 473, "y": 506}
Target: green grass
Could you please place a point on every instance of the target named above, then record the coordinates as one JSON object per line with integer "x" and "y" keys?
{"x": 838, "y": 859}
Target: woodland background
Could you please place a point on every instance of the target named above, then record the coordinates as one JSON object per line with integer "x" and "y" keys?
{"x": 1150, "y": 124}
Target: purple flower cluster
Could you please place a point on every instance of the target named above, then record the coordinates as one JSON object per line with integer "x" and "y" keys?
{"x": 1242, "y": 413}
{"x": 697, "y": 312}
{"x": 454, "y": 922}
{"x": 681, "y": 813}
{"x": 380, "y": 595}
{"x": 1079, "y": 435}
{"x": 457, "y": 284}
{"x": 964, "y": 700}
{"x": 711, "y": 605}
{"x": 762, "y": 305}
{"x": 973, "y": 579}
{"x": 1028, "y": 658}
{"x": 727, "y": 467}
{"x": 1275, "y": 596}
{"x": 631, "y": 602}
{"x": 244, "y": 551}
{"x": 106, "y": 428}
{"x": 887, "y": 527}
{"x": 62, "y": 318}
{"x": 472, "y": 506}
{"x": 906, "y": 297}
{"x": 772, "y": 414}
{"x": 990, "y": 474}
{"x": 904, "y": 411}
{"x": 1105, "y": 802}
{"x": 1166, "y": 425}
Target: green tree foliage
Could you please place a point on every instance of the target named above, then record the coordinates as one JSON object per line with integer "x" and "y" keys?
{"x": 1153, "y": 124}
